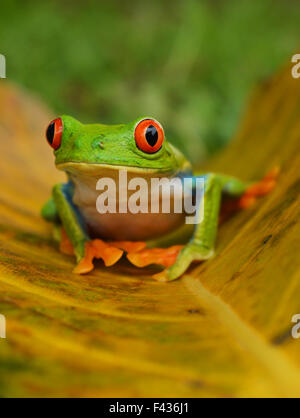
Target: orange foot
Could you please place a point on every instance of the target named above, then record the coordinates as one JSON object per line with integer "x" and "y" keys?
{"x": 111, "y": 252}
{"x": 252, "y": 193}
{"x": 97, "y": 249}
{"x": 261, "y": 188}
{"x": 162, "y": 256}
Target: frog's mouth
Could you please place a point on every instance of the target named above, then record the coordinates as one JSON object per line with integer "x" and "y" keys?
{"x": 101, "y": 170}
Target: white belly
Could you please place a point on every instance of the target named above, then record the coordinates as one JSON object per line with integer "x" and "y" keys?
{"x": 121, "y": 226}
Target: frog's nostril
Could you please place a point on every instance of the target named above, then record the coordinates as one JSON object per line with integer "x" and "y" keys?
{"x": 97, "y": 143}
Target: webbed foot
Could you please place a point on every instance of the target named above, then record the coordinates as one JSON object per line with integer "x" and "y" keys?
{"x": 259, "y": 189}
{"x": 251, "y": 195}
{"x": 189, "y": 254}
{"x": 97, "y": 249}
{"x": 162, "y": 256}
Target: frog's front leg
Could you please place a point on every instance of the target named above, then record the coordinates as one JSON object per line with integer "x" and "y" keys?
{"x": 74, "y": 230}
{"x": 201, "y": 245}
{"x": 70, "y": 218}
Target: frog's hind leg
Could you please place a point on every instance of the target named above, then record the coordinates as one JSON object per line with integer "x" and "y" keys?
{"x": 259, "y": 189}
{"x": 242, "y": 195}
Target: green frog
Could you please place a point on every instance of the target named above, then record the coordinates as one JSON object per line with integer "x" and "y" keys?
{"x": 88, "y": 153}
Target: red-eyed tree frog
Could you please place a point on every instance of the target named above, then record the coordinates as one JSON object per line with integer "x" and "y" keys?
{"x": 91, "y": 152}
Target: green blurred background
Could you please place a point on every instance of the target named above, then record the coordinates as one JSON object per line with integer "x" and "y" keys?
{"x": 190, "y": 64}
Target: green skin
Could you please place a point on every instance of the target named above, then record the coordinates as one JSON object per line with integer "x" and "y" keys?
{"x": 88, "y": 146}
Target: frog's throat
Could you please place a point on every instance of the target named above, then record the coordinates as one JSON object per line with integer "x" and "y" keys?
{"x": 94, "y": 169}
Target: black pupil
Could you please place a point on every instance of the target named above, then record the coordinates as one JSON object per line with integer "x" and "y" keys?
{"x": 151, "y": 135}
{"x": 50, "y": 132}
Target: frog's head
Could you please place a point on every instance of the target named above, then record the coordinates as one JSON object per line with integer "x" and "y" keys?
{"x": 139, "y": 145}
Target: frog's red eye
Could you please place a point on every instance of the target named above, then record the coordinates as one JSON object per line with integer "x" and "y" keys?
{"x": 149, "y": 135}
{"x": 54, "y": 133}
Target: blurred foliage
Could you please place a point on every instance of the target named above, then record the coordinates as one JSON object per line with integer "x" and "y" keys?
{"x": 188, "y": 63}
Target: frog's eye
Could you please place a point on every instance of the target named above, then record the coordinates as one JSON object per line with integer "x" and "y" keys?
{"x": 54, "y": 133}
{"x": 149, "y": 135}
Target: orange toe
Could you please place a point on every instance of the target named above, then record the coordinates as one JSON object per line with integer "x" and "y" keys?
{"x": 97, "y": 249}
{"x": 109, "y": 254}
{"x": 162, "y": 256}
{"x": 86, "y": 265}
